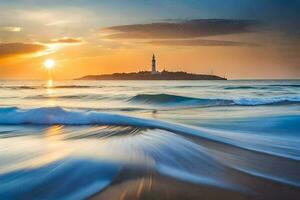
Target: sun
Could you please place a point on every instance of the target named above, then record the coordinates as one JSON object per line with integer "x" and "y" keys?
{"x": 49, "y": 64}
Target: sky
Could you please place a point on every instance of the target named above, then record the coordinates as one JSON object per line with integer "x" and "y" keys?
{"x": 239, "y": 39}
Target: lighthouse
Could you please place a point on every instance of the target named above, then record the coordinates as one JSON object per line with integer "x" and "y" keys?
{"x": 153, "y": 65}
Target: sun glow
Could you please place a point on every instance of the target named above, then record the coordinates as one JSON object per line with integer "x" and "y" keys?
{"x": 49, "y": 83}
{"x": 49, "y": 64}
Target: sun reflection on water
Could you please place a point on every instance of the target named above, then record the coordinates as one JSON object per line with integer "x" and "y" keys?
{"x": 54, "y": 132}
{"x": 50, "y": 83}
{"x": 50, "y": 92}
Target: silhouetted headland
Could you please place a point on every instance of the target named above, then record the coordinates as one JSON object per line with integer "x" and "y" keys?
{"x": 152, "y": 75}
{"x": 147, "y": 75}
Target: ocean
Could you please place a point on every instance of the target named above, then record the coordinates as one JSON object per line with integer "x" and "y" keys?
{"x": 150, "y": 139}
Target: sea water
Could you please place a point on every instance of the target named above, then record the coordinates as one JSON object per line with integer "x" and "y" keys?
{"x": 72, "y": 139}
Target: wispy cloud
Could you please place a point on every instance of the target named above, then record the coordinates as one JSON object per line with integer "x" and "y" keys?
{"x": 35, "y": 49}
{"x": 11, "y": 28}
{"x": 58, "y": 23}
{"x": 66, "y": 40}
{"x": 183, "y": 32}
{"x": 181, "y": 29}
{"x": 199, "y": 42}
{"x": 18, "y": 49}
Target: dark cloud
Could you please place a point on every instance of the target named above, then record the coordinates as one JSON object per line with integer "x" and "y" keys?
{"x": 66, "y": 40}
{"x": 14, "y": 49}
{"x": 199, "y": 42}
{"x": 181, "y": 29}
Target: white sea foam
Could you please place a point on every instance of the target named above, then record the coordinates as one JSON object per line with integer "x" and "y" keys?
{"x": 266, "y": 101}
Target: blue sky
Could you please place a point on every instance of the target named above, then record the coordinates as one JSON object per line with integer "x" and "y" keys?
{"x": 155, "y": 9}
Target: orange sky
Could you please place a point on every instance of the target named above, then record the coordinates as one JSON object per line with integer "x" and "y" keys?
{"x": 75, "y": 61}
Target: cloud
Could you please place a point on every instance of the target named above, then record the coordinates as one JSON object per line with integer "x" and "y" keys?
{"x": 199, "y": 42}
{"x": 184, "y": 33}
{"x": 66, "y": 40}
{"x": 17, "y": 49}
{"x": 11, "y": 28}
{"x": 181, "y": 29}
{"x": 58, "y": 23}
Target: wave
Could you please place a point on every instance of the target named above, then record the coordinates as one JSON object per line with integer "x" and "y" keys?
{"x": 285, "y": 85}
{"x": 263, "y": 87}
{"x": 191, "y": 86}
{"x": 55, "y": 97}
{"x": 239, "y": 87}
{"x": 76, "y": 96}
{"x": 45, "y": 87}
{"x": 60, "y": 116}
{"x": 267, "y": 101}
{"x": 175, "y": 100}
{"x": 18, "y": 87}
{"x": 81, "y": 179}
{"x": 73, "y": 86}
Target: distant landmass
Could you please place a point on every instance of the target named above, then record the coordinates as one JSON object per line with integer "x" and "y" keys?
{"x": 152, "y": 75}
{"x": 147, "y": 75}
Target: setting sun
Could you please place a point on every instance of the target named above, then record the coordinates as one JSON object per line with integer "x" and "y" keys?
{"x": 49, "y": 64}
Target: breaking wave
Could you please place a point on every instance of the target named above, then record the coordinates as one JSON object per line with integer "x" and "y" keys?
{"x": 61, "y": 116}
{"x": 58, "y": 115}
{"x": 175, "y": 100}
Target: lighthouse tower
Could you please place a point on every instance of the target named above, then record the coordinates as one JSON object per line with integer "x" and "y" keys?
{"x": 153, "y": 65}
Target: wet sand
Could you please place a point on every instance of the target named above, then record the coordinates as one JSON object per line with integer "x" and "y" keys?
{"x": 138, "y": 184}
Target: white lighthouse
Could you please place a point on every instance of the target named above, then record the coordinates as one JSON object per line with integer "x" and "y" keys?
{"x": 153, "y": 65}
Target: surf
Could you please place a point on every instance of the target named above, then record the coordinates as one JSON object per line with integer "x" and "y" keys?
{"x": 176, "y": 100}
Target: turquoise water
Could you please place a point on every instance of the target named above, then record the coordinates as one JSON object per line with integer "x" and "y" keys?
{"x": 208, "y": 133}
